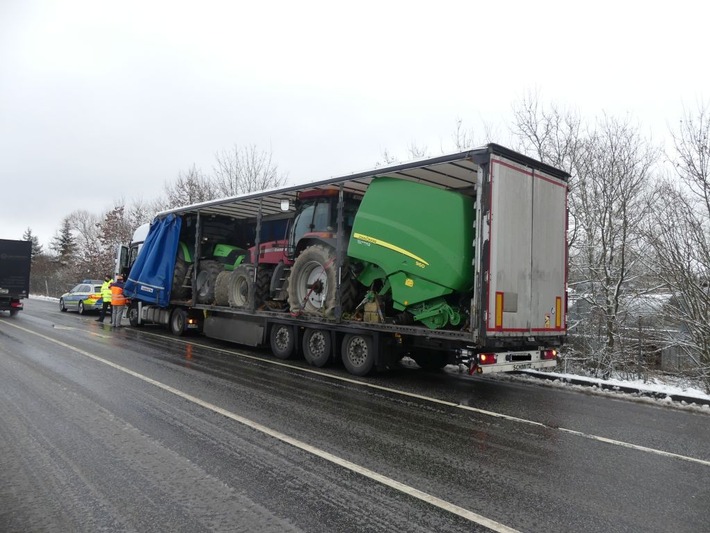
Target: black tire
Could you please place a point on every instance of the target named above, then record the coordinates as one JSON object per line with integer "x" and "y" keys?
{"x": 283, "y": 341}
{"x": 207, "y": 273}
{"x": 133, "y": 315}
{"x": 242, "y": 292}
{"x": 221, "y": 288}
{"x": 317, "y": 347}
{"x": 13, "y": 312}
{"x": 81, "y": 308}
{"x": 263, "y": 285}
{"x": 179, "y": 291}
{"x": 429, "y": 360}
{"x": 313, "y": 282}
{"x": 61, "y": 305}
{"x": 358, "y": 354}
{"x": 177, "y": 322}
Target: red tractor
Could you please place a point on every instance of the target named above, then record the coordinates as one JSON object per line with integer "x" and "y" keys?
{"x": 301, "y": 269}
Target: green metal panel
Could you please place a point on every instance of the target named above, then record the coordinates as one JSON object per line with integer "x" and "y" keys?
{"x": 420, "y": 236}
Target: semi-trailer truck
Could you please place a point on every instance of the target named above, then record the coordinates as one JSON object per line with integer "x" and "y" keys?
{"x": 456, "y": 259}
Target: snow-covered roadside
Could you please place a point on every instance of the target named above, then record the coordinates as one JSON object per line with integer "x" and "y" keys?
{"x": 45, "y": 298}
{"x": 660, "y": 391}
{"x": 663, "y": 390}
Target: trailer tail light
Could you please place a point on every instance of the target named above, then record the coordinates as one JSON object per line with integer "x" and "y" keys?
{"x": 549, "y": 354}
{"x": 487, "y": 359}
{"x": 15, "y": 304}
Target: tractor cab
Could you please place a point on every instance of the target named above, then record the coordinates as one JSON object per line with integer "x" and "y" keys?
{"x": 317, "y": 219}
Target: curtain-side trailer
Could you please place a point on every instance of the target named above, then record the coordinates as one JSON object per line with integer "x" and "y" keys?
{"x": 454, "y": 259}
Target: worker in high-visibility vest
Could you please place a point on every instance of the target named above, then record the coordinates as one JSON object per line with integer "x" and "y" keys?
{"x": 106, "y": 297}
{"x": 118, "y": 302}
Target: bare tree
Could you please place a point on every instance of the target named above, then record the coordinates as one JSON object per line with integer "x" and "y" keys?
{"x": 245, "y": 169}
{"x": 89, "y": 251}
{"x": 190, "y": 187}
{"x": 680, "y": 237}
{"x": 462, "y": 139}
{"x": 610, "y": 165}
{"x": 609, "y": 202}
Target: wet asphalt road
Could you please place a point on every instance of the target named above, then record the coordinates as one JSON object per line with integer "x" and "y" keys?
{"x": 135, "y": 430}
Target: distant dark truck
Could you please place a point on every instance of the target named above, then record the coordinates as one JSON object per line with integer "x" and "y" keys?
{"x": 15, "y": 263}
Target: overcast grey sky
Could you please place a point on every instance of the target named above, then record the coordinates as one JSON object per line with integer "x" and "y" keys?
{"x": 103, "y": 100}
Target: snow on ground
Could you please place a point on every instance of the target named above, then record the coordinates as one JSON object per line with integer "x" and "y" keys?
{"x": 665, "y": 386}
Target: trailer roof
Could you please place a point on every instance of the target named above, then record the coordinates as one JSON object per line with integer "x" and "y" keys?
{"x": 456, "y": 171}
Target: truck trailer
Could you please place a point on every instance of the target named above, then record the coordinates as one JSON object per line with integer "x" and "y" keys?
{"x": 456, "y": 259}
{"x": 15, "y": 265}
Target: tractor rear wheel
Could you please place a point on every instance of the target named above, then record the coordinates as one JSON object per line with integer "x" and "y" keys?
{"x": 313, "y": 282}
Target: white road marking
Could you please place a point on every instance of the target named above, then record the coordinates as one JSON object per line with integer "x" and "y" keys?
{"x": 449, "y": 404}
{"x": 366, "y": 472}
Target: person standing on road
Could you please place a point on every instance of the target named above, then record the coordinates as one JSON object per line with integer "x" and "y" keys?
{"x": 118, "y": 302}
{"x": 106, "y": 297}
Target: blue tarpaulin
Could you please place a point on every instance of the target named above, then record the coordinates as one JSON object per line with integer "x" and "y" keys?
{"x": 151, "y": 276}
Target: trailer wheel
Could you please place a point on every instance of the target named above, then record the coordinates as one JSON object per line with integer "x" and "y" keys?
{"x": 358, "y": 354}
{"x": 61, "y": 305}
{"x": 13, "y": 312}
{"x": 81, "y": 308}
{"x": 313, "y": 282}
{"x": 133, "y": 315}
{"x": 177, "y": 322}
{"x": 241, "y": 287}
{"x": 317, "y": 347}
{"x": 283, "y": 341}
{"x": 205, "y": 282}
{"x": 179, "y": 291}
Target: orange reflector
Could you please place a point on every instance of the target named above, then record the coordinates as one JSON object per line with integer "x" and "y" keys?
{"x": 499, "y": 310}
{"x": 558, "y": 312}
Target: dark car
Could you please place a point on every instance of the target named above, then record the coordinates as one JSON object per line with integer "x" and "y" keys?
{"x": 86, "y": 296}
